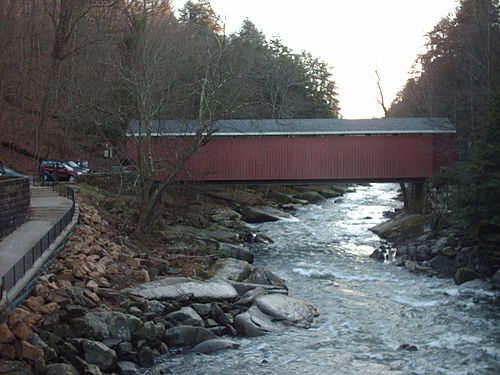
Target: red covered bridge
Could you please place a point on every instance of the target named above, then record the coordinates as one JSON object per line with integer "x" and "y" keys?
{"x": 307, "y": 150}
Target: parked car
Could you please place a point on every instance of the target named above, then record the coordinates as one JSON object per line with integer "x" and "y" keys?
{"x": 78, "y": 167}
{"x": 58, "y": 170}
{"x": 5, "y": 171}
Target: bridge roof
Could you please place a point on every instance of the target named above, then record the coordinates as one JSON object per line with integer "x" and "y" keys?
{"x": 308, "y": 127}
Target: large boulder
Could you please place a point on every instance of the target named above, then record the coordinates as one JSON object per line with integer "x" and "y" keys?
{"x": 254, "y": 322}
{"x": 232, "y": 269}
{"x": 443, "y": 265}
{"x": 176, "y": 287}
{"x": 261, "y": 214}
{"x": 187, "y": 336}
{"x": 272, "y": 312}
{"x": 403, "y": 225}
{"x": 286, "y": 308}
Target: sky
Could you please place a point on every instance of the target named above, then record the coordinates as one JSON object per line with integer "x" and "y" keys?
{"x": 355, "y": 37}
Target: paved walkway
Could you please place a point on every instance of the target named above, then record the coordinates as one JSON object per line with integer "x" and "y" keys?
{"x": 46, "y": 208}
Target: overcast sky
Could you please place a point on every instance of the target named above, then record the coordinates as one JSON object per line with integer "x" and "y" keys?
{"x": 356, "y": 37}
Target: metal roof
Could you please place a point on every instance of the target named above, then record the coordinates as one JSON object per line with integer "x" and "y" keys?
{"x": 292, "y": 127}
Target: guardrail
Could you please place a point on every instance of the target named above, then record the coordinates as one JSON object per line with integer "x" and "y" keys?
{"x": 16, "y": 272}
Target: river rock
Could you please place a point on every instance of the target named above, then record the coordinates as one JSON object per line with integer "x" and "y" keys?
{"x": 249, "y": 297}
{"x": 464, "y": 274}
{"x": 272, "y": 312}
{"x": 105, "y": 325}
{"x": 402, "y": 225}
{"x": 235, "y": 251}
{"x": 61, "y": 369}
{"x": 214, "y": 345}
{"x": 145, "y": 356}
{"x": 224, "y": 216}
{"x": 14, "y": 368}
{"x": 443, "y": 265}
{"x": 244, "y": 287}
{"x": 186, "y": 317}
{"x": 495, "y": 280}
{"x": 261, "y": 214}
{"x": 261, "y": 275}
{"x": 150, "y": 331}
{"x": 6, "y": 334}
{"x": 99, "y": 354}
{"x": 175, "y": 287}
{"x": 310, "y": 196}
{"x": 287, "y": 308}
{"x": 26, "y": 350}
{"x": 187, "y": 336}
{"x": 217, "y": 234}
{"x": 153, "y": 308}
{"x": 189, "y": 242}
{"x": 127, "y": 368}
{"x": 232, "y": 269}
{"x": 254, "y": 322}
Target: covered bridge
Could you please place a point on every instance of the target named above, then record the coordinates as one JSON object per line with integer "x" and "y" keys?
{"x": 306, "y": 150}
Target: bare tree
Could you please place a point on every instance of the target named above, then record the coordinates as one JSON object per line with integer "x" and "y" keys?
{"x": 149, "y": 70}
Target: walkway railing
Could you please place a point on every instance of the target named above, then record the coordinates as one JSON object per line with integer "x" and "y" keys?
{"x": 16, "y": 272}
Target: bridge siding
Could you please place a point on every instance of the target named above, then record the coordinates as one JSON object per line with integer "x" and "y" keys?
{"x": 255, "y": 158}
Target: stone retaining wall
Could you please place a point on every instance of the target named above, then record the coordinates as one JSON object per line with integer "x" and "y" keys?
{"x": 14, "y": 203}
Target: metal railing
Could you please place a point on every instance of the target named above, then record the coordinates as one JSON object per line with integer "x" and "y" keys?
{"x": 16, "y": 272}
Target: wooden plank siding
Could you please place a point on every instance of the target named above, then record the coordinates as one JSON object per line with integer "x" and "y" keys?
{"x": 310, "y": 158}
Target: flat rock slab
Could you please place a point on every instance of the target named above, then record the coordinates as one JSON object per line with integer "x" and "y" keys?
{"x": 260, "y": 214}
{"x": 175, "y": 287}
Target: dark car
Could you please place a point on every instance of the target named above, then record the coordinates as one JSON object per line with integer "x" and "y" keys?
{"x": 53, "y": 170}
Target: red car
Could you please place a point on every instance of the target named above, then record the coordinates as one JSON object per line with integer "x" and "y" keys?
{"x": 54, "y": 170}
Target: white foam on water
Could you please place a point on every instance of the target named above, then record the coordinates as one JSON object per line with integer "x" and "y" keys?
{"x": 417, "y": 303}
{"x": 452, "y": 292}
{"x": 324, "y": 273}
{"x": 452, "y": 340}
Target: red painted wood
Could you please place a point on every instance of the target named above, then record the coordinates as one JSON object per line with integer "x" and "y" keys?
{"x": 310, "y": 158}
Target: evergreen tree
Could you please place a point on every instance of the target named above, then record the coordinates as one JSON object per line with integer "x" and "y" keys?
{"x": 479, "y": 187}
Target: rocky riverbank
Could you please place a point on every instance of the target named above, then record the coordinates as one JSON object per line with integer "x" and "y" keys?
{"x": 112, "y": 303}
{"x": 424, "y": 244}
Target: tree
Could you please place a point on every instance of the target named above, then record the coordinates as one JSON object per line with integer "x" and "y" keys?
{"x": 479, "y": 187}
{"x": 201, "y": 15}
{"x": 458, "y": 78}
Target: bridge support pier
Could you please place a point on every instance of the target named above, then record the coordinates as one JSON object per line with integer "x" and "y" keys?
{"x": 417, "y": 198}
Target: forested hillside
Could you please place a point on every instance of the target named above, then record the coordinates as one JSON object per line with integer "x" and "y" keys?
{"x": 73, "y": 73}
{"x": 458, "y": 77}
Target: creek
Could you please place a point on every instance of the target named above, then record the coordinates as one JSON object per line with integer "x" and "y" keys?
{"x": 368, "y": 309}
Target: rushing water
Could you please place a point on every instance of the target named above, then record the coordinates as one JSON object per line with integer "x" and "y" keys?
{"x": 368, "y": 309}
